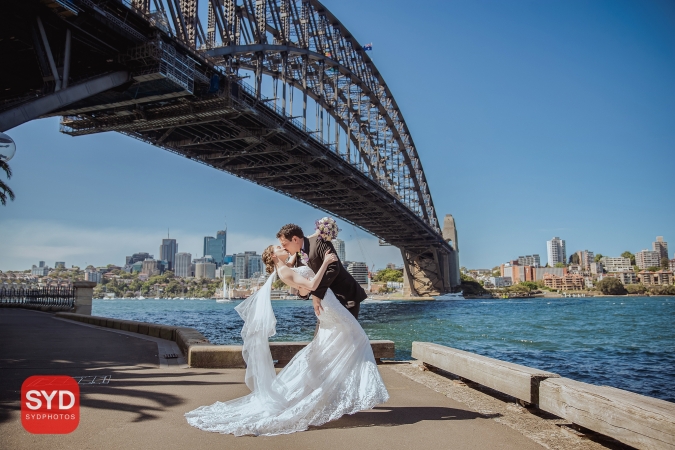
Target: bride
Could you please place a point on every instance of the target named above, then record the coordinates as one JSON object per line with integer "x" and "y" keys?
{"x": 335, "y": 374}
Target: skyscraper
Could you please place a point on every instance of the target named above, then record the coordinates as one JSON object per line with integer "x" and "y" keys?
{"x": 556, "y": 251}
{"x": 167, "y": 252}
{"x": 660, "y": 246}
{"x": 216, "y": 247}
{"x": 255, "y": 265}
{"x": 183, "y": 262}
{"x": 339, "y": 245}
{"x": 240, "y": 266}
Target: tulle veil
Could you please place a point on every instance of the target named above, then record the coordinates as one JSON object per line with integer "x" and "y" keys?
{"x": 259, "y": 325}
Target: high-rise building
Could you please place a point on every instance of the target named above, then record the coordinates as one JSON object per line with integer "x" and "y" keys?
{"x": 240, "y": 266}
{"x": 40, "y": 271}
{"x": 255, "y": 266}
{"x": 529, "y": 260}
{"x": 556, "y": 251}
{"x": 660, "y": 246}
{"x": 151, "y": 267}
{"x": 647, "y": 258}
{"x": 138, "y": 257}
{"x": 359, "y": 270}
{"x": 59, "y": 265}
{"x": 216, "y": 247}
{"x": 183, "y": 262}
{"x": 167, "y": 251}
{"x": 41, "y": 264}
{"x": 205, "y": 270}
{"x": 339, "y": 245}
{"x": 92, "y": 275}
{"x": 586, "y": 258}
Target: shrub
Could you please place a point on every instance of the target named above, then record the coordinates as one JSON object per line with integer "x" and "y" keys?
{"x": 611, "y": 286}
{"x": 636, "y": 288}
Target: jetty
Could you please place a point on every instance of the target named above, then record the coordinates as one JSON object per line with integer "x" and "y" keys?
{"x": 138, "y": 379}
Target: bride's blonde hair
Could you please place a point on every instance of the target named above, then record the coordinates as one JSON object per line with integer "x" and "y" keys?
{"x": 267, "y": 255}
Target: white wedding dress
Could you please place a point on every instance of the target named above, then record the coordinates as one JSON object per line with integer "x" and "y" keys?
{"x": 335, "y": 374}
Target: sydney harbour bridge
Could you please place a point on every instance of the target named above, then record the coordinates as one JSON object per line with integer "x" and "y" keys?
{"x": 277, "y": 92}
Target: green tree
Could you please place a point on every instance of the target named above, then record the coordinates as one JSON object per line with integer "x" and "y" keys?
{"x": 559, "y": 264}
{"x": 630, "y": 256}
{"x": 665, "y": 263}
{"x": 574, "y": 258}
{"x": 598, "y": 257}
{"x": 389, "y": 275}
{"x": 5, "y": 190}
{"x": 611, "y": 286}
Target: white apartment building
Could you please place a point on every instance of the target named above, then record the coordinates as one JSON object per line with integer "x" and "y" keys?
{"x": 183, "y": 263}
{"x": 339, "y": 245}
{"x": 619, "y": 264}
{"x": 556, "y": 251}
{"x": 359, "y": 270}
{"x": 647, "y": 258}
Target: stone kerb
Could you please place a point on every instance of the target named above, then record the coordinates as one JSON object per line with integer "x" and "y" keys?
{"x": 200, "y": 352}
{"x": 515, "y": 380}
{"x": 639, "y": 421}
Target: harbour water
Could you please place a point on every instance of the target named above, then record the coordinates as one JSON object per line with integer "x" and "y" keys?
{"x": 625, "y": 342}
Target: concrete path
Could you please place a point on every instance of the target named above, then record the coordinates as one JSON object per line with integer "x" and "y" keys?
{"x": 143, "y": 404}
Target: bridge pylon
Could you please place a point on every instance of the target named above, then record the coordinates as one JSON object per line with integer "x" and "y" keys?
{"x": 433, "y": 270}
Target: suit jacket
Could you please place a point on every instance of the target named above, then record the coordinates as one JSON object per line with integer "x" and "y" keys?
{"x": 341, "y": 282}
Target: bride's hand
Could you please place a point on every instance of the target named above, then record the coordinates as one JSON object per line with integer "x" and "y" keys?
{"x": 316, "y": 302}
{"x": 329, "y": 258}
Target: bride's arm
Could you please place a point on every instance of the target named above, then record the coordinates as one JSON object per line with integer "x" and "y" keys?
{"x": 301, "y": 282}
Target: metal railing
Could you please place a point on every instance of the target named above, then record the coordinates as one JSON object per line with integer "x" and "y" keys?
{"x": 61, "y": 295}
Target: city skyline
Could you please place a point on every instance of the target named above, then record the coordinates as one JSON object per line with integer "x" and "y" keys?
{"x": 587, "y": 84}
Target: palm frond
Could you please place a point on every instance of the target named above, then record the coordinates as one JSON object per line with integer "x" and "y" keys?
{"x": 5, "y": 191}
{"x": 4, "y": 166}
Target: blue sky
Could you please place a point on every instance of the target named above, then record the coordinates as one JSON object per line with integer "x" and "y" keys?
{"x": 533, "y": 119}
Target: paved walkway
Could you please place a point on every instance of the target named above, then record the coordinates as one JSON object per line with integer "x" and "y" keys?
{"x": 143, "y": 404}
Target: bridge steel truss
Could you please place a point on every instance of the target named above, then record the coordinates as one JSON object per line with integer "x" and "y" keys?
{"x": 374, "y": 180}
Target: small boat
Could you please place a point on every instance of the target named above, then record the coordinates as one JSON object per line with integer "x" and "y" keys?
{"x": 451, "y": 296}
{"x": 140, "y": 297}
{"x": 227, "y": 293}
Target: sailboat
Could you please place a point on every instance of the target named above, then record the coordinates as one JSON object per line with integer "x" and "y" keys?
{"x": 227, "y": 293}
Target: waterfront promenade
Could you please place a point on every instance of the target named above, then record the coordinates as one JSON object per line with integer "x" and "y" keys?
{"x": 143, "y": 403}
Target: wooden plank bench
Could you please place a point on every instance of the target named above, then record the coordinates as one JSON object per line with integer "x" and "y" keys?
{"x": 515, "y": 380}
{"x": 634, "y": 419}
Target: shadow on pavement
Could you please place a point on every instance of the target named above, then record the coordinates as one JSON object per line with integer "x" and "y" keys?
{"x": 384, "y": 416}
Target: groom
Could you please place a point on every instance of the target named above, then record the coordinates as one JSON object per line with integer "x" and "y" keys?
{"x": 341, "y": 282}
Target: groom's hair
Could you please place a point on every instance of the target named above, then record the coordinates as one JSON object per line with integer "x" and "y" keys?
{"x": 290, "y": 230}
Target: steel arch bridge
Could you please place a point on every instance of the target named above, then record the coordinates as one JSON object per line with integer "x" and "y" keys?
{"x": 178, "y": 85}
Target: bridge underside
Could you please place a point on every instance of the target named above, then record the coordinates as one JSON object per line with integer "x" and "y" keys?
{"x": 233, "y": 131}
{"x": 183, "y": 105}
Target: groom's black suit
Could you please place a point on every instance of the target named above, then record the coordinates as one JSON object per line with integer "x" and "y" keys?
{"x": 341, "y": 282}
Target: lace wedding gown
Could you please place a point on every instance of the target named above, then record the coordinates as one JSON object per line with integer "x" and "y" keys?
{"x": 335, "y": 374}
